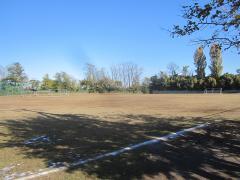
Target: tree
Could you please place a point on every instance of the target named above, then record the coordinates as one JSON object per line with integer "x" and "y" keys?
{"x": 98, "y": 80}
{"x": 47, "y": 83}
{"x": 135, "y": 73}
{"x": 200, "y": 84}
{"x": 185, "y": 71}
{"x": 87, "y": 85}
{"x": 192, "y": 82}
{"x": 34, "y": 84}
{"x": 116, "y": 72}
{"x": 216, "y": 61}
{"x": 200, "y": 62}
{"x": 238, "y": 71}
{"x": 128, "y": 73}
{"x": 145, "y": 85}
{"x": 237, "y": 81}
{"x": 2, "y": 73}
{"x": 220, "y": 17}
{"x": 211, "y": 82}
{"x": 154, "y": 84}
{"x": 227, "y": 81}
{"x": 173, "y": 69}
{"x": 16, "y": 73}
{"x": 90, "y": 72}
{"x": 163, "y": 80}
{"x": 64, "y": 81}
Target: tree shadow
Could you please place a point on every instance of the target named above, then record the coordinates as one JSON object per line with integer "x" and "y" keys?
{"x": 210, "y": 153}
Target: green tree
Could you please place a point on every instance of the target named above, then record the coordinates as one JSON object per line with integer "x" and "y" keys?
{"x": 200, "y": 84}
{"x": 145, "y": 85}
{"x": 64, "y": 81}
{"x": 237, "y": 82}
{"x": 200, "y": 62}
{"x": 154, "y": 84}
{"x": 15, "y": 73}
{"x": 211, "y": 82}
{"x": 47, "y": 83}
{"x": 238, "y": 71}
{"x": 227, "y": 81}
{"x": 192, "y": 82}
{"x": 216, "y": 61}
{"x": 88, "y": 85}
{"x": 219, "y": 17}
{"x": 163, "y": 80}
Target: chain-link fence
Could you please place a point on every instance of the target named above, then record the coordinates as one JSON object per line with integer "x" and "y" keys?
{"x": 9, "y": 88}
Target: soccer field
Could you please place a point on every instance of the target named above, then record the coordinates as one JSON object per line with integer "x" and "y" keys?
{"x": 81, "y": 126}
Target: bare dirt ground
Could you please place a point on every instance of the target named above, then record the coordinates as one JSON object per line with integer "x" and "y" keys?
{"x": 80, "y": 126}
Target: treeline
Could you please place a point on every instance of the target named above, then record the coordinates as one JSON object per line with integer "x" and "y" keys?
{"x": 127, "y": 77}
{"x": 14, "y": 75}
{"x": 121, "y": 77}
{"x": 179, "y": 82}
{"x": 186, "y": 80}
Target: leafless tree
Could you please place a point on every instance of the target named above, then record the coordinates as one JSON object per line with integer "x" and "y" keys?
{"x": 127, "y": 73}
{"x": 115, "y": 72}
{"x": 173, "y": 69}
{"x": 91, "y": 72}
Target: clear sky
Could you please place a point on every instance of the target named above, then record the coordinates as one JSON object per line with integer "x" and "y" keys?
{"x": 47, "y": 36}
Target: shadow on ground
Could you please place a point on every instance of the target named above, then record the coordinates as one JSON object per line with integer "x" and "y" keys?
{"x": 210, "y": 153}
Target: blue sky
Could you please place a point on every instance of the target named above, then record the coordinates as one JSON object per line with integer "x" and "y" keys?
{"x": 47, "y": 36}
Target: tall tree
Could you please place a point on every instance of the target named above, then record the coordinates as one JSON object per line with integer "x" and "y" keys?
{"x": 219, "y": 17}
{"x": 216, "y": 61}
{"x": 16, "y": 73}
{"x": 200, "y": 62}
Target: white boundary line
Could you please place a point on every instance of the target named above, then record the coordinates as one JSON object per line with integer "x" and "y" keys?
{"x": 114, "y": 153}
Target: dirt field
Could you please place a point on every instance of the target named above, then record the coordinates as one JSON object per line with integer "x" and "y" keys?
{"x": 85, "y": 125}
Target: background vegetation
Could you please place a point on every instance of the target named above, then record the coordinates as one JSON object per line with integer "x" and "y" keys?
{"x": 127, "y": 77}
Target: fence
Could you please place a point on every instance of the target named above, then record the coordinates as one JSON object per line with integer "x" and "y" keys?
{"x": 10, "y": 89}
{"x": 7, "y": 88}
{"x": 178, "y": 92}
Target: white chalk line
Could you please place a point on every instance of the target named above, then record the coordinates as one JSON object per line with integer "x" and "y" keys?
{"x": 114, "y": 153}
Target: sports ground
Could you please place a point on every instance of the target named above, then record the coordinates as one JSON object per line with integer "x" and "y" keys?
{"x": 81, "y": 126}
